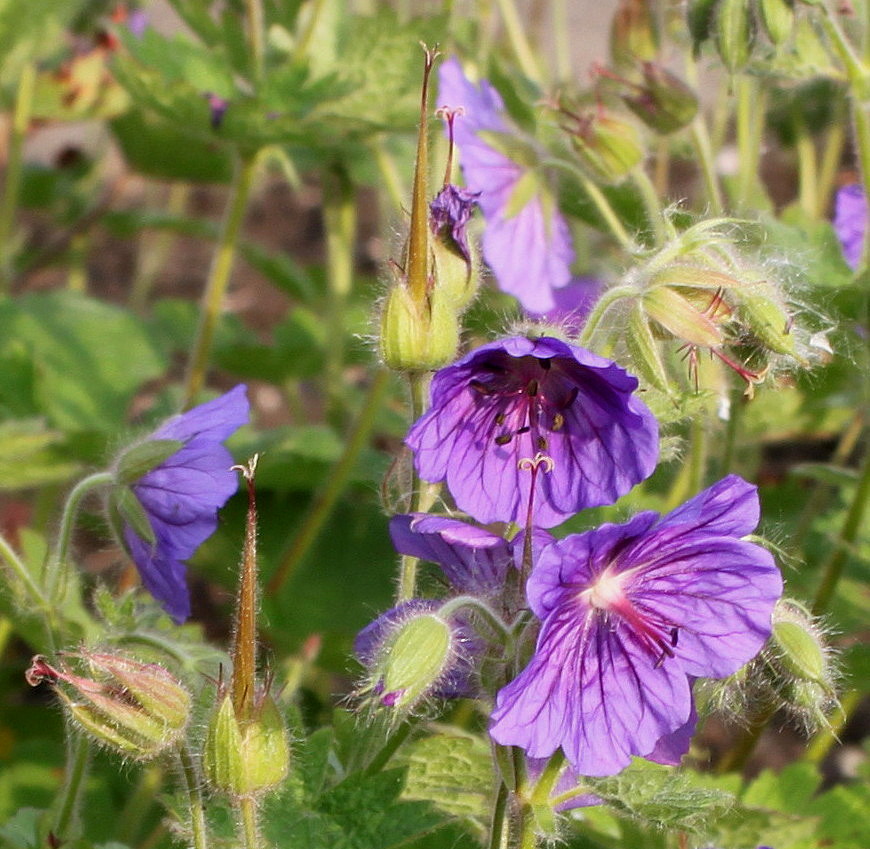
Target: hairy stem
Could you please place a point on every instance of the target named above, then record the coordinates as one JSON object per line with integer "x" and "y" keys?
{"x": 78, "y": 754}
{"x": 190, "y": 776}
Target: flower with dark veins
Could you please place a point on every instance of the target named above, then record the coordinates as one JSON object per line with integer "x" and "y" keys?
{"x": 631, "y": 614}
{"x": 509, "y": 403}
{"x": 176, "y": 501}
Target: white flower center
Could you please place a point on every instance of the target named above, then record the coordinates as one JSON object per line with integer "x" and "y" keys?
{"x": 606, "y": 593}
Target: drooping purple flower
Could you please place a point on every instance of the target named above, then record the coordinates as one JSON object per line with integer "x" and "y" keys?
{"x": 527, "y": 242}
{"x": 474, "y": 560}
{"x": 850, "y": 221}
{"x": 181, "y": 496}
{"x": 518, "y": 399}
{"x": 450, "y": 211}
{"x": 630, "y": 615}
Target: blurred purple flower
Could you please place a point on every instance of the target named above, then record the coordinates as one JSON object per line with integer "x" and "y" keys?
{"x": 181, "y": 496}
{"x": 528, "y": 249}
{"x": 631, "y": 615}
{"x": 520, "y": 399}
{"x": 137, "y": 22}
{"x": 573, "y": 303}
{"x": 850, "y": 221}
{"x": 473, "y": 559}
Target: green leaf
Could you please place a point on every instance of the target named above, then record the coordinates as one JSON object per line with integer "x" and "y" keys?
{"x": 454, "y": 771}
{"x": 789, "y": 790}
{"x": 30, "y": 456}
{"x": 89, "y": 357}
{"x": 662, "y": 796}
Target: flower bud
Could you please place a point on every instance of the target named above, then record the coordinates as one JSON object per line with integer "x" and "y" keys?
{"x": 735, "y": 33}
{"x": 455, "y": 263}
{"x": 140, "y": 709}
{"x": 608, "y": 146}
{"x": 633, "y": 34}
{"x": 245, "y": 758}
{"x": 411, "y": 653}
{"x": 663, "y": 102}
{"x": 778, "y": 19}
{"x": 759, "y": 309}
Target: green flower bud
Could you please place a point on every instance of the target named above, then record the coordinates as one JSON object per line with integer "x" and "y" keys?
{"x": 139, "y": 709}
{"x": 633, "y": 33}
{"x": 778, "y": 19}
{"x": 244, "y": 758}
{"x": 735, "y": 33}
{"x": 664, "y": 102}
{"x": 608, "y": 146}
{"x": 414, "y": 660}
{"x": 798, "y": 646}
{"x": 761, "y": 312}
{"x": 644, "y": 350}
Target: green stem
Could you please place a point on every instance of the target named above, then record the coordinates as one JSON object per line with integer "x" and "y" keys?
{"x": 861, "y": 125}
{"x": 52, "y": 579}
{"x": 138, "y": 804}
{"x": 736, "y": 757}
{"x": 78, "y": 751}
{"x": 832, "y": 155}
{"x": 832, "y": 570}
{"x": 652, "y": 204}
{"x": 250, "y": 829}
{"x": 419, "y": 386}
{"x": 611, "y": 219}
{"x": 604, "y": 303}
{"x": 704, "y": 149}
{"x": 339, "y": 219}
{"x": 750, "y": 117}
{"x": 218, "y": 278}
{"x": 195, "y": 806}
{"x": 335, "y": 483}
{"x": 735, "y": 414}
{"x": 9, "y": 203}
{"x": 808, "y": 177}
{"x": 516, "y": 36}
{"x": 386, "y": 752}
{"x": 562, "y": 37}
{"x": 498, "y": 822}
{"x": 256, "y": 35}
{"x": 481, "y": 607}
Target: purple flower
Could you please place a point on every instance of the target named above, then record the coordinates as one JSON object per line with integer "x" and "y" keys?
{"x": 181, "y": 496}
{"x": 450, "y": 211}
{"x": 474, "y": 560}
{"x": 510, "y": 402}
{"x": 528, "y": 248}
{"x": 850, "y": 222}
{"x": 573, "y": 303}
{"x": 631, "y": 614}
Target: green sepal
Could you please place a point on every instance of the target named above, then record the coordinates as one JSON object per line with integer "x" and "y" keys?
{"x": 141, "y": 459}
{"x": 129, "y": 510}
{"x": 645, "y": 350}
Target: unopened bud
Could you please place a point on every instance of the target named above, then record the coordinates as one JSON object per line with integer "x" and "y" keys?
{"x": 664, "y": 102}
{"x": 609, "y": 146}
{"x": 768, "y": 320}
{"x": 644, "y": 351}
{"x": 454, "y": 259}
{"x": 778, "y": 19}
{"x": 633, "y": 34}
{"x": 245, "y": 758}
{"x": 735, "y": 33}
{"x": 140, "y": 709}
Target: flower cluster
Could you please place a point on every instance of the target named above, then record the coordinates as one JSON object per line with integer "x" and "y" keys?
{"x": 528, "y": 432}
